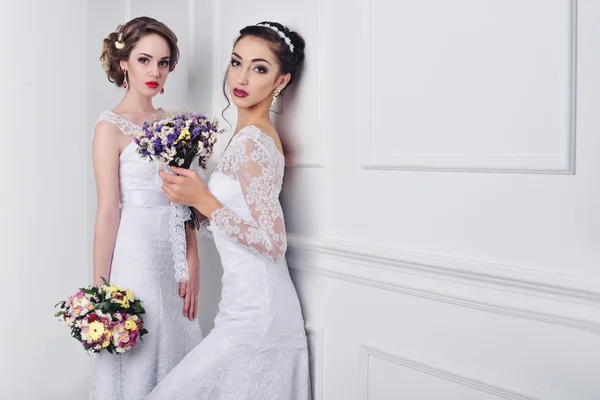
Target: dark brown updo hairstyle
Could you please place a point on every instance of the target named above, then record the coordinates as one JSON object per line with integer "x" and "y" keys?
{"x": 289, "y": 61}
{"x": 126, "y": 37}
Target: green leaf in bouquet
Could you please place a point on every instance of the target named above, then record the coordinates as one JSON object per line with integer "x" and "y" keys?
{"x": 58, "y": 314}
{"x": 114, "y": 307}
{"x": 138, "y": 309}
{"x": 109, "y": 349}
{"x": 104, "y": 305}
{"x": 143, "y": 332}
{"x": 62, "y": 304}
{"x": 105, "y": 281}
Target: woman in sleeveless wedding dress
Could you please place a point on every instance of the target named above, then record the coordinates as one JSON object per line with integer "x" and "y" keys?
{"x": 133, "y": 244}
{"x": 258, "y": 347}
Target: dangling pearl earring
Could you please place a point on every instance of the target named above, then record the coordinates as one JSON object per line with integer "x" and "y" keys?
{"x": 277, "y": 91}
{"x": 125, "y": 81}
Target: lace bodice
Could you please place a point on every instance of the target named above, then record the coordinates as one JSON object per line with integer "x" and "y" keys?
{"x": 127, "y": 127}
{"x": 134, "y": 172}
{"x": 254, "y": 162}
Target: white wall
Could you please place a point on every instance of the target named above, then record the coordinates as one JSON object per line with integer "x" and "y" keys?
{"x": 454, "y": 225}
{"x": 44, "y": 208}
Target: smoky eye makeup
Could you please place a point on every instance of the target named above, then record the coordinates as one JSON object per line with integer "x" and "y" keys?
{"x": 261, "y": 69}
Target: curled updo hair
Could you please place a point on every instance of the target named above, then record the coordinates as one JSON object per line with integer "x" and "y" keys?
{"x": 128, "y": 35}
{"x": 289, "y": 61}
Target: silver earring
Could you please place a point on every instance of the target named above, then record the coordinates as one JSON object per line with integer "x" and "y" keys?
{"x": 277, "y": 91}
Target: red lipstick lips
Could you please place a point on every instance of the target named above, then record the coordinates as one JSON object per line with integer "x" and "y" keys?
{"x": 239, "y": 93}
{"x": 152, "y": 84}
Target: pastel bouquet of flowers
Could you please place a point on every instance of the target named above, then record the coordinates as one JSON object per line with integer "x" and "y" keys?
{"x": 103, "y": 318}
{"x": 177, "y": 140}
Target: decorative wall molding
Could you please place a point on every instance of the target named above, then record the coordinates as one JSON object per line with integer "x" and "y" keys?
{"x": 319, "y": 160}
{"x": 308, "y": 254}
{"x": 567, "y": 287}
{"x": 505, "y": 163}
{"x": 447, "y": 372}
{"x": 317, "y": 335}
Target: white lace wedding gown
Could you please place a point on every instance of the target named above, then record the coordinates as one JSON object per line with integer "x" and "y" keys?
{"x": 258, "y": 348}
{"x": 143, "y": 262}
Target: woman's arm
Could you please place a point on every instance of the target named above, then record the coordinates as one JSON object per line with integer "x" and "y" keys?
{"x": 189, "y": 289}
{"x": 105, "y": 156}
{"x": 252, "y": 166}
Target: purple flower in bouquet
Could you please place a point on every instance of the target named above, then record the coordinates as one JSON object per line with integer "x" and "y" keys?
{"x": 177, "y": 141}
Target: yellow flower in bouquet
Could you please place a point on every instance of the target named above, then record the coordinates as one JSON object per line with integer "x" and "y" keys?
{"x": 130, "y": 325}
{"x": 95, "y": 330}
{"x": 183, "y": 136}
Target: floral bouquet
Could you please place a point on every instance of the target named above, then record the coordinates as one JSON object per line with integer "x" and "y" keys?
{"x": 105, "y": 317}
{"x": 176, "y": 141}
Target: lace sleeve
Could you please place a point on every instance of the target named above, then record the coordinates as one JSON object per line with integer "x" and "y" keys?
{"x": 250, "y": 163}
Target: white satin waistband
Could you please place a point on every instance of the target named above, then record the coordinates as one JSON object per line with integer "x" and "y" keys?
{"x": 179, "y": 214}
{"x": 143, "y": 198}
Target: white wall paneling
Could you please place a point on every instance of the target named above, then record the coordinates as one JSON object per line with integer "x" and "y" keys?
{"x": 451, "y": 251}
{"x": 562, "y": 300}
{"x": 475, "y": 88}
{"x": 428, "y": 379}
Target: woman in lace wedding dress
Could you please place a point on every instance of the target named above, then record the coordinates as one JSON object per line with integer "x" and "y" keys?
{"x": 258, "y": 348}
{"x": 132, "y": 243}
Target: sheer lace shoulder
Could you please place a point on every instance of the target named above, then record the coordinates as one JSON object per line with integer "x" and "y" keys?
{"x": 247, "y": 139}
{"x": 125, "y": 126}
{"x": 254, "y": 161}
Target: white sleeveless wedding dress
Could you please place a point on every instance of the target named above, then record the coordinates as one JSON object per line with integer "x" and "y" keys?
{"x": 258, "y": 347}
{"x": 143, "y": 261}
